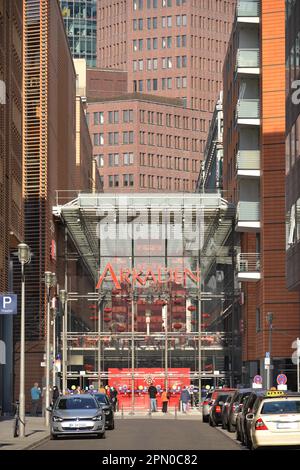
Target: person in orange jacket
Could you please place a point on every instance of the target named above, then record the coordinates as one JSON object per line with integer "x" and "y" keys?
{"x": 165, "y": 400}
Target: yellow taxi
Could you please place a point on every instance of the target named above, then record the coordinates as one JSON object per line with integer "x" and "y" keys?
{"x": 275, "y": 420}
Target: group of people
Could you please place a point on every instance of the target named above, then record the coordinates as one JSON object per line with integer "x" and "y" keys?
{"x": 185, "y": 399}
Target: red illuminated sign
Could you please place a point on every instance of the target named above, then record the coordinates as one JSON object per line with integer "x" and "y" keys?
{"x": 160, "y": 276}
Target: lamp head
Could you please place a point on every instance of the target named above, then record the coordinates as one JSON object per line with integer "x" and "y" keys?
{"x": 24, "y": 254}
{"x": 63, "y": 295}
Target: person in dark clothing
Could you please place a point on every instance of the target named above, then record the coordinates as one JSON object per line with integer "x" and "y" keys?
{"x": 152, "y": 391}
{"x": 55, "y": 395}
{"x": 113, "y": 394}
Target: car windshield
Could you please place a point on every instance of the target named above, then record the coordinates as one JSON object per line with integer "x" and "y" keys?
{"x": 102, "y": 398}
{"x": 77, "y": 403}
{"x": 281, "y": 407}
{"x": 221, "y": 398}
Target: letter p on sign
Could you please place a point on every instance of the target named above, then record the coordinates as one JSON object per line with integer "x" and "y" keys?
{"x": 8, "y": 304}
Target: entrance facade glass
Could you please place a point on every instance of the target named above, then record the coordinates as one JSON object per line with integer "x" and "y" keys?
{"x": 163, "y": 278}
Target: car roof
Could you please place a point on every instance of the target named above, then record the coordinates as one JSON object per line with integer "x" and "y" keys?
{"x": 77, "y": 395}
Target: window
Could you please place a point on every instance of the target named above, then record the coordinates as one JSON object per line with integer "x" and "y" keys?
{"x": 98, "y": 139}
{"x": 113, "y": 181}
{"x": 98, "y": 118}
{"x": 141, "y": 64}
{"x": 128, "y": 158}
{"x": 135, "y": 45}
{"x": 258, "y": 320}
{"x": 154, "y": 22}
{"x": 100, "y": 160}
{"x": 113, "y": 138}
{"x": 148, "y": 44}
{"x": 169, "y": 21}
{"x": 128, "y": 137}
{"x": 155, "y": 64}
{"x": 149, "y": 64}
{"x": 155, "y": 43}
{"x": 148, "y": 23}
{"x": 113, "y": 159}
{"x": 140, "y": 85}
{"x": 140, "y": 24}
{"x": 128, "y": 115}
{"x": 113, "y": 117}
{"x": 169, "y": 42}
{"x": 154, "y": 84}
{"x": 140, "y": 44}
{"x": 128, "y": 180}
{"x": 148, "y": 84}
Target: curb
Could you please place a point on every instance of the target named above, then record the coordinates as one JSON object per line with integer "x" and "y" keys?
{"x": 37, "y": 443}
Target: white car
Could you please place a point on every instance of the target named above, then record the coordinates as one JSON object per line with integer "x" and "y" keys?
{"x": 275, "y": 420}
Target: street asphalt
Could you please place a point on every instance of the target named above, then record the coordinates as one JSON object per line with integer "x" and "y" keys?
{"x": 147, "y": 434}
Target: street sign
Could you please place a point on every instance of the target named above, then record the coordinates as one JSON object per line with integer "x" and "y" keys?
{"x": 281, "y": 379}
{"x": 267, "y": 354}
{"x": 267, "y": 361}
{"x": 258, "y": 379}
{"x": 8, "y": 304}
{"x": 282, "y": 387}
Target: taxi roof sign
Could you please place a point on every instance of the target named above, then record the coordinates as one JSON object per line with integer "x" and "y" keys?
{"x": 275, "y": 393}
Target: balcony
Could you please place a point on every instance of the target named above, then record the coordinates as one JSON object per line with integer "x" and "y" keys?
{"x": 248, "y": 11}
{"x": 248, "y": 266}
{"x": 248, "y": 112}
{"x": 248, "y": 164}
{"x": 248, "y": 61}
{"x": 248, "y": 216}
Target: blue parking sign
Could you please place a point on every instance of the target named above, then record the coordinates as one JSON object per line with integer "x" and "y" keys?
{"x": 8, "y": 304}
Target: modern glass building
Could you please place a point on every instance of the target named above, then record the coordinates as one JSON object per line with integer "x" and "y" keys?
{"x": 80, "y": 18}
{"x": 156, "y": 312}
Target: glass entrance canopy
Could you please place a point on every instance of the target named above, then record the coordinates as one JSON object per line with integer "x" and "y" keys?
{"x": 160, "y": 267}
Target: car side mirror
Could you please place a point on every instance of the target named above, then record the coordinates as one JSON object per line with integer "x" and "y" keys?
{"x": 249, "y": 416}
{"x": 49, "y": 408}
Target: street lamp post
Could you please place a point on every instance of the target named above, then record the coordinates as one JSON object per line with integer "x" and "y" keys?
{"x": 50, "y": 281}
{"x": 24, "y": 258}
{"x": 270, "y": 323}
{"x": 63, "y": 295}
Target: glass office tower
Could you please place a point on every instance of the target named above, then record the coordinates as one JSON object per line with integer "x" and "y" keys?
{"x": 80, "y": 18}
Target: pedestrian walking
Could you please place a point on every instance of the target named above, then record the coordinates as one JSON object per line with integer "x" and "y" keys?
{"x": 55, "y": 395}
{"x": 102, "y": 389}
{"x": 185, "y": 398}
{"x": 165, "y": 400}
{"x": 36, "y": 394}
{"x": 152, "y": 391}
{"x": 113, "y": 394}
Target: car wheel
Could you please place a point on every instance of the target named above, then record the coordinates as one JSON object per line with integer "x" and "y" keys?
{"x": 230, "y": 427}
{"x": 53, "y": 437}
{"x": 111, "y": 426}
{"x": 224, "y": 425}
{"x": 101, "y": 435}
{"x": 212, "y": 423}
{"x": 205, "y": 419}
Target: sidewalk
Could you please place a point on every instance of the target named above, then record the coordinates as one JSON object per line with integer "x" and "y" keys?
{"x": 192, "y": 414}
{"x": 35, "y": 430}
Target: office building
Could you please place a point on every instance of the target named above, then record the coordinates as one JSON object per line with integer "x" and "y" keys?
{"x": 254, "y": 179}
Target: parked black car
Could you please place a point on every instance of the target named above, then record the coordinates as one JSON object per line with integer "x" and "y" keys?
{"x": 226, "y": 410}
{"x": 107, "y": 407}
{"x": 215, "y": 415}
{"x": 247, "y": 408}
{"x": 235, "y": 406}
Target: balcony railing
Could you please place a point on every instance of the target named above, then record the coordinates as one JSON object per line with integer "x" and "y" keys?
{"x": 248, "y": 8}
{"x": 248, "y": 109}
{"x": 248, "y": 262}
{"x": 248, "y": 160}
{"x": 248, "y": 211}
{"x": 248, "y": 58}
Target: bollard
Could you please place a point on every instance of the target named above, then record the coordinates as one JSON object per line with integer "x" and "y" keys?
{"x": 122, "y": 412}
{"x": 175, "y": 412}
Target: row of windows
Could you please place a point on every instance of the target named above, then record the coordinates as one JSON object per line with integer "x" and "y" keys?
{"x": 160, "y": 182}
{"x": 146, "y": 117}
{"x": 166, "y": 22}
{"x": 166, "y": 63}
{"x": 114, "y": 180}
{"x": 149, "y": 138}
{"x": 152, "y": 43}
{"x": 114, "y": 159}
{"x": 168, "y": 162}
{"x": 139, "y": 4}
